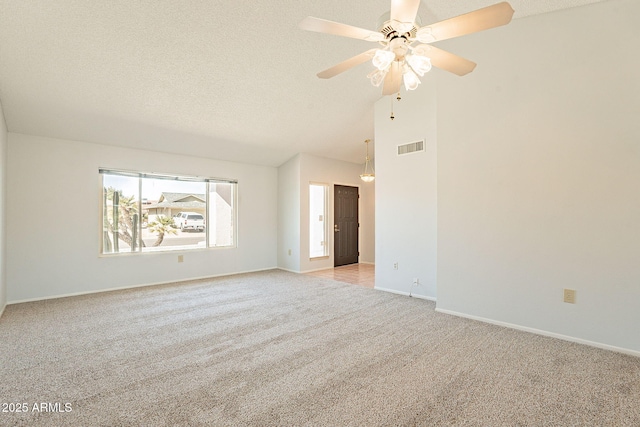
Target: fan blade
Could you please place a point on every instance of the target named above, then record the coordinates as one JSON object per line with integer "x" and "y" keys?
{"x": 337, "y": 29}
{"x": 345, "y": 65}
{"x": 404, "y": 11}
{"x": 472, "y": 22}
{"x": 446, "y": 60}
{"x": 393, "y": 79}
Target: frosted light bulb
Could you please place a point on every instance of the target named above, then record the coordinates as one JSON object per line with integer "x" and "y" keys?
{"x": 420, "y": 64}
{"x": 382, "y": 59}
{"x": 411, "y": 81}
{"x": 377, "y": 77}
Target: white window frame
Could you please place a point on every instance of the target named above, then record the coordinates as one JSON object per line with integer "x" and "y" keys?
{"x": 140, "y": 175}
{"x": 325, "y": 215}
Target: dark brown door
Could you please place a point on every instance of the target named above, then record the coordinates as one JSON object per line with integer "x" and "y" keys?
{"x": 345, "y": 230}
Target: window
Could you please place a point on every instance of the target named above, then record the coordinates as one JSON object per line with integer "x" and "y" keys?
{"x": 143, "y": 212}
{"x": 318, "y": 220}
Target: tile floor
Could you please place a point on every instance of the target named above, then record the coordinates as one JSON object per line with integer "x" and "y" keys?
{"x": 356, "y": 274}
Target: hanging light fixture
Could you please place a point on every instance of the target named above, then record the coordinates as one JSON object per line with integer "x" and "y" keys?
{"x": 369, "y": 174}
{"x": 411, "y": 81}
{"x": 383, "y": 58}
{"x": 419, "y": 63}
{"x": 377, "y": 77}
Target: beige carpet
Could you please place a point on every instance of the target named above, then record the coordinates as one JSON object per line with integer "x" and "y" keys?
{"x": 276, "y": 348}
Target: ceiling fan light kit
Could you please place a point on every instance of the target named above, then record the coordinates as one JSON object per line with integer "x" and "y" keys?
{"x": 377, "y": 77}
{"x": 401, "y": 59}
{"x": 411, "y": 81}
{"x": 419, "y": 64}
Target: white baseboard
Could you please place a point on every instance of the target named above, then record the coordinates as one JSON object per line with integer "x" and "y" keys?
{"x": 75, "y": 294}
{"x": 543, "y": 333}
{"x": 288, "y": 270}
{"x": 394, "y": 291}
{"x": 316, "y": 269}
{"x": 313, "y": 270}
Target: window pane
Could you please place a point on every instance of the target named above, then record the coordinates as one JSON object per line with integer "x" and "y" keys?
{"x": 318, "y": 221}
{"x": 221, "y": 219}
{"x": 163, "y": 212}
{"x": 120, "y": 216}
{"x": 173, "y": 214}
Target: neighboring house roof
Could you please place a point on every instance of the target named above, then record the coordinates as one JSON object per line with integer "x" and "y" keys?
{"x": 182, "y": 201}
{"x": 181, "y": 197}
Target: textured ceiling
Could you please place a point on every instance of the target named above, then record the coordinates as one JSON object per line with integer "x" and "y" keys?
{"x": 232, "y": 80}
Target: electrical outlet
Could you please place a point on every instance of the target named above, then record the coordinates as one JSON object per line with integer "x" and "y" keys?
{"x": 570, "y": 296}
{"x": 395, "y": 265}
{"x": 180, "y": 258}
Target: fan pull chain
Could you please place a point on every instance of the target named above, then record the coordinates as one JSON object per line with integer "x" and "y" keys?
{"x": 398, "y": 98}
{"x": 392, "y": 116}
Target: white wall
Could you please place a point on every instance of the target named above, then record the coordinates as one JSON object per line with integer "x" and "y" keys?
{"x": 539, "y": 175}
{"x": 53, "y": 207}
{"x": 289, "y": 215}
{"x": 406, "y": 196}
{"x": 3, "y": 192}
{"x": 327, "y": 171}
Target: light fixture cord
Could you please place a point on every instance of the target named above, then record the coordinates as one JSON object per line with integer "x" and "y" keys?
{"x": 368, "y": 169}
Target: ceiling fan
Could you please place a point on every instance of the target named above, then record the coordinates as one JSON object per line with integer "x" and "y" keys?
{"x": 405, "y": 51}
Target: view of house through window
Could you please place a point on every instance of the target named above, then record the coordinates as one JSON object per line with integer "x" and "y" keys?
{"x": 148, "y": 212}
{"x": 318, "y": 194}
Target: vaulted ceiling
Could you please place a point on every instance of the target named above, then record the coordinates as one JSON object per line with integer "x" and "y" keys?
{"x": 233, "y": 80}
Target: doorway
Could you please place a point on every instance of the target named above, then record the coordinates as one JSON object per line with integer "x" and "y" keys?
{"x": 345, "y": 230}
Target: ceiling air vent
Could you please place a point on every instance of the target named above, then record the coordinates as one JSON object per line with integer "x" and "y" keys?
{"x": 412, "y": 147}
